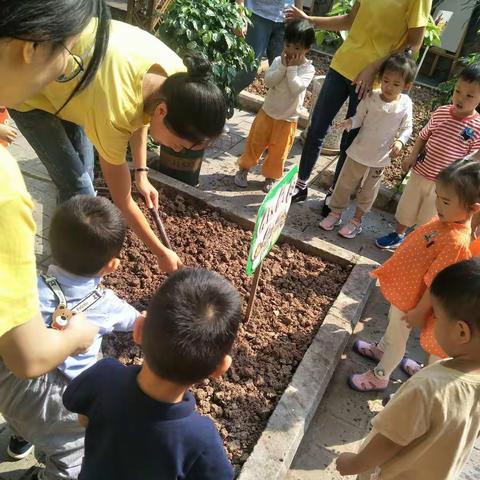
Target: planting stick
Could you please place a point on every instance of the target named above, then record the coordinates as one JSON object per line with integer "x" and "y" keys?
{"x": 253, "y": 293}
{"x": 161, "y": 228}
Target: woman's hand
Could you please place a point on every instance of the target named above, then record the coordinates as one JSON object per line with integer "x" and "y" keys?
{"x": 293, "y": 13}
{"x": 364, "y": 81}
{"x": 169, "y": 261}
{"x": 149, "y": 192}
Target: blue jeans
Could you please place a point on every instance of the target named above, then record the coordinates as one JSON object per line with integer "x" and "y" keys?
{"x": 263, "y": 35}
{"x": 62, "y": 147}
{"x": 335, "y": 91}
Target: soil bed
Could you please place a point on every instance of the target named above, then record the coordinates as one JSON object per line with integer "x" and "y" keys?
{"x": 422, "y": 98}
{"x": 294, "y": 295}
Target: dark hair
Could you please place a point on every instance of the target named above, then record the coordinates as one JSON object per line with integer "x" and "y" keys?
{"x": 85, "y": 234}
{"x": 196, "y": 107}
{"x": 402, "y": 63}
{"x": 300, "y": 32}
{"x": 471, "y": 73}
{"x": 464, "y": 177}
{"x": 192, "y": 321}
{"x": 54, "y": 21}
{"x": 457, "y": 288}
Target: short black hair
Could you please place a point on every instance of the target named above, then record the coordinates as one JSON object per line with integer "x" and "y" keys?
{"x": 300, "y": 32}
{"x": 471, "y": 73}
{"x": 192, "y": 321}
{"x": 402, "y": 63}
{"x": 457, "y": 288}
{"x": 464, "y": 177}
{"x": 85, "y": 234}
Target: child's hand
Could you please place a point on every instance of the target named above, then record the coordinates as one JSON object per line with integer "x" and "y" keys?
{"x": 8, "y": 133}
{"x": 295, "y": 60}
{"x": 345, "y": 463}
{"x": 284, "y": 58}
{"x": 408, "y": 163}
{"x": 396, "y": 149}
{"x": 414, "y": 318}
{"x": 345, "y": 124}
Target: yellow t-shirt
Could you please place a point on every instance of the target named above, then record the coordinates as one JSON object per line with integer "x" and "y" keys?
{"x": 379, "y": 28}
{"x": 110, "y": 109}
{"x": 436, "y": 417}
{"x": 18, "y": 278}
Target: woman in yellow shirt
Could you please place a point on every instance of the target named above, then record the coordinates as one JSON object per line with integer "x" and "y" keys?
{"x": 35, "y": 36}
{"x": 140, "y": 82}
{"x": 376, "y": 30}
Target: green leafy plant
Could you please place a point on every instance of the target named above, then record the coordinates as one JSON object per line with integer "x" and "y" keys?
{"x": 432, "y": 34}
{"x": 209, "y": 26}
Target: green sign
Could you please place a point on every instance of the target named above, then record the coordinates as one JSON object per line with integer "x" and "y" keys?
{"x": 271, "y": 218}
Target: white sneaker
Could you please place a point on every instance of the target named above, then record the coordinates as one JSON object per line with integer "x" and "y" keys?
{"x": 240, "y": 179}
{"x": 351, "y": 229}
{"x": 329, "y": 223}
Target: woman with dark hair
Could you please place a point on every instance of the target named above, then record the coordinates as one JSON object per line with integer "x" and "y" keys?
{"x": 141, "y": 82}
{"x": 35, "y": 39}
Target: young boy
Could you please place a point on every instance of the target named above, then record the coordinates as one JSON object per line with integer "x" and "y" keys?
{"x": 385, "y": 122}
{"x": 429, "y": 428}
{"x": 453, "y": 132}
{"x": 275, "y": 125}
{"x": 86, "y": 236}
{"x": 141, "y": 421}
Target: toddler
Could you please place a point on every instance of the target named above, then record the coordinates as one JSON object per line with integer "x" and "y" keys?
{"x": 385, "y": 122}
{"x": 7, "y": 133}
{"x": 141, "y": 420}
{"x": 453, "y": 132}
{"x": 429, "y": 428}
{"x": 86, "y": 236}
{"x": 275, "y": 125}
{"x": 406, "y": 277}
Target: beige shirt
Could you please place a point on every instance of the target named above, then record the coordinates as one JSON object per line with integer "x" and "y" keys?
{"x": 436, "y": 417}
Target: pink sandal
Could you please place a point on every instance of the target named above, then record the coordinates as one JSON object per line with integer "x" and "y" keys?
{"x": 367, "y": 382}
{"x": 410, "y": 366}
{"x": 368, "y": 350}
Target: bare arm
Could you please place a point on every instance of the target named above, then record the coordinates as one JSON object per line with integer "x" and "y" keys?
{"x": 138, "y": 147}
{"x": 409, "y": 161}
{"x": 119, "y": 184}
{"x": 32, "y": 349}
{"x": 378, "y": 451}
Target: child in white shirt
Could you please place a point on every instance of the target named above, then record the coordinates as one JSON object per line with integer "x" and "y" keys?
{"x": 385, "y": 121}
{"x": 275, "y": 125}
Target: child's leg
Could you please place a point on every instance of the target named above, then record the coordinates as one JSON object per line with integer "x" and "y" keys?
{"x": 281, "y": 141}
{"x": 410, "y": 202}
{"x": 257, "y": 140}
{"x": 368, "y": 191}
{"x": 428, "y": 208}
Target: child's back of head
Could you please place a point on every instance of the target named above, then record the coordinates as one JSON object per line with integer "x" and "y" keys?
{"x": 192, "y": 321}
{"x": 85, "y": 234}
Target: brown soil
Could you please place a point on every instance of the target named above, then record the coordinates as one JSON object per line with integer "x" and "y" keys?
{"x": 294, "y": 295}
{"x": 422, "y": 100}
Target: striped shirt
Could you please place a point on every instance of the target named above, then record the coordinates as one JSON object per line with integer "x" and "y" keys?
{"x": 449, "y": 138}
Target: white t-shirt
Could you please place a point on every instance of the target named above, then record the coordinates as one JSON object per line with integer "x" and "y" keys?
{"x": 287, "y": 87}
{"x": 436, "y": 417}
{"x": 380, "y": 123}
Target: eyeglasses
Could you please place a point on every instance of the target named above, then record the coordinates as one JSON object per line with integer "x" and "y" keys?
{"x": 73, "y": 72}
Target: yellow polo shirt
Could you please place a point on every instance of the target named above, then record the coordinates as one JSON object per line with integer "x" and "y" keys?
{"x": 379, "y": 28}
{"x": 18, "y": 278}
{"x": 110, "y": 109}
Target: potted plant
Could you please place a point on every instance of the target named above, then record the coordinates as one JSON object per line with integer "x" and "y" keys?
{"x": 206, "y": 26}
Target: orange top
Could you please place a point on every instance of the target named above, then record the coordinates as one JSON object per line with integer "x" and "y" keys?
{"x": 425, "y": 252}
{"x": 475, "y": 247}
{"x": 3, "y": 118}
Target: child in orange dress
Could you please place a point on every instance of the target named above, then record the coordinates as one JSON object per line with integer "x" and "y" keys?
{"x": 406, "y": 277}
{"x": 7, "y": 133}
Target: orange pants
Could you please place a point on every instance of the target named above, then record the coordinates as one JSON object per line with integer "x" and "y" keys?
{"x": 277, "y": 136}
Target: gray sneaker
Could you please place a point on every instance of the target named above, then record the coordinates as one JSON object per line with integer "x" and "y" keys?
{"x": 268, "y": 184}
{"x": 240, "y": 179}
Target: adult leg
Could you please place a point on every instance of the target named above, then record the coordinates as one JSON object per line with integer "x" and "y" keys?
{"x": 275, "y": 42}
{"x": 258, "y": 35}
{"x": 333, "y": 94}
{"x": 82, "y": 145}
{"x": 67, "y": 166}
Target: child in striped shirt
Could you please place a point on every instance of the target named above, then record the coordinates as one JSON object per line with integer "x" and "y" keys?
{"x": 453, "y": 132}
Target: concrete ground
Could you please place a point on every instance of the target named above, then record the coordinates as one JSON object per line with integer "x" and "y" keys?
{"x": 342, "y": 419}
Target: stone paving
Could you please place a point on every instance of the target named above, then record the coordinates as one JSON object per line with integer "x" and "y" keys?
{"x": 343, "y": 416}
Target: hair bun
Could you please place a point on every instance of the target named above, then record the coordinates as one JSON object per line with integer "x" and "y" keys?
{"x": 198, "y": 66}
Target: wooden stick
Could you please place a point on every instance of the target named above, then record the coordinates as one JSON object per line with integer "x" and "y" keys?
{"x": 253, "y": 293}
{"x": 161, "y": 229}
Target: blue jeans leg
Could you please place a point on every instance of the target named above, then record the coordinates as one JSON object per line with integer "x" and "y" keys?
{"x": 62, "y": 147}
{"x": 258, "y": 37}
{"x": 335, "y": 91}
{"x": 275, "y": 42}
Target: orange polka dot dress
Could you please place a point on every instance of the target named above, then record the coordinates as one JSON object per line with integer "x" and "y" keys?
{"x": 411, "y": 270}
